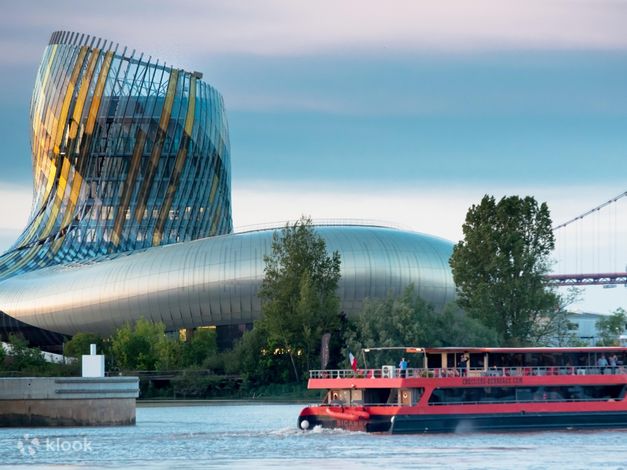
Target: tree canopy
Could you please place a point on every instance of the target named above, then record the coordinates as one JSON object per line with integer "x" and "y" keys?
{"x": 298, "y": 293}
{"x": 80, "y": 342}
{"x": 145, "y": 346}
{"x": 407, "y": 320}
{"x": 499, "y": 268}
{"x": 23, "y": 358}
{"x": 611, "y": 327}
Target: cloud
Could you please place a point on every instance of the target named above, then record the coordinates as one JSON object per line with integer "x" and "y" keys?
{"x": 436, "y": 209}
{"x": 14, "y": 208}
{"x": 512, "y": 83}
{"x": 186, "y": 28}
{"x": 282, "y": 102}
{"x": 15, "y": 204}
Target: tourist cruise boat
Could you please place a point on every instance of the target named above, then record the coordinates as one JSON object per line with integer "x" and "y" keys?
{"x": 491, "y": 389}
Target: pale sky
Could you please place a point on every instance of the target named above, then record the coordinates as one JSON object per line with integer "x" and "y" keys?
{"x": 407, "y": 112}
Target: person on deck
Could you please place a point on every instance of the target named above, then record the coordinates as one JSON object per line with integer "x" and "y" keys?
{"x": 463, "y": 364}
{"x": 403, "y": 367}
{"x": 602, "y": 363}
{"x": 613, "y": 362}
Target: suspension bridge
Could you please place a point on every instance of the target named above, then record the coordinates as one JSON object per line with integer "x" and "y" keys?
{"x": 590, "y": 248}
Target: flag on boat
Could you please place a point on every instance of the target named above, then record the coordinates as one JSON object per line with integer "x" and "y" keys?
{"x": 353, "y": 360}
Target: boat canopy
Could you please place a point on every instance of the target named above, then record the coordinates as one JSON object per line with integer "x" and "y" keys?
{"x": 407, "y": 349}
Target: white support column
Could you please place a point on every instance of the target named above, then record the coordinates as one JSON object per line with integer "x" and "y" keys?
{"x": 93, "y": 364}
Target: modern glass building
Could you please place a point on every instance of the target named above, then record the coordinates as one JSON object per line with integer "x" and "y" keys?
{"x": 127, "y": 153}
{"x": 131, "y": 212}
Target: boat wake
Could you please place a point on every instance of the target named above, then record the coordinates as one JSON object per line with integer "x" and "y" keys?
{"x": 465, "y": 427}
{"x": 317, "y": 430}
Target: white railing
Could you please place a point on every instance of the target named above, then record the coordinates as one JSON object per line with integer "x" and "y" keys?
{"x": 394, "y": 373}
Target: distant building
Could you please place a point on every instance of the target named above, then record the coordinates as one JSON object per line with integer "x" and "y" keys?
{"x": 584, "y": 327}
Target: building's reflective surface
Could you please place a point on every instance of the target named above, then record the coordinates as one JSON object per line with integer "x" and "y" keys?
{"x": 131, "y": 214}
{"x": 214, "y": 281}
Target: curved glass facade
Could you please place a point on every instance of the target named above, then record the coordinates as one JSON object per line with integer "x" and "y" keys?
{"x": 127, "y": 153}
{"x": 214, "y": 281}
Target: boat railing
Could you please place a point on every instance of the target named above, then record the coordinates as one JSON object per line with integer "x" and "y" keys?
{"x": 548, "y": 399}
{"x": 531, "y": 400}
{"x": 552, "y": 370}
{"x": 356, "y": 404}
{"x": 445, "y": 372}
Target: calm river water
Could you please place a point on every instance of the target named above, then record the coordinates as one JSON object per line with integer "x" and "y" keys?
{"x": 250, "y": 436}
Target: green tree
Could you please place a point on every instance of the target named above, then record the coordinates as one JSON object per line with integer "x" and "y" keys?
{"x": 500, "y": 265}
{"x": 611, "y": 327}
{"x": 200, "y": 347}
{"x": 407, "y": 320}
{"x": 144, "y": 346}
{"x": 80, "y": 342}
{"x": 298, "y": 293}
{"x": 168, "y": 351}
{"x": 21, "y": 357}
{"x": 454, "y": 328}
{"x": 259, "y": 359}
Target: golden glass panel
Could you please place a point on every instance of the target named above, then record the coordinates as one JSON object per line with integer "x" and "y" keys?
{"x": 129, "y": 186}
{"x": 155, "y": 155}
{"x": 82, "y": 94}
{"x": 69, "y": 93}
{"x": 178, "y": 165}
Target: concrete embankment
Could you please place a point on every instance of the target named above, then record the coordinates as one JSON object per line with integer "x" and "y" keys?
{"x": 68, "y": 401}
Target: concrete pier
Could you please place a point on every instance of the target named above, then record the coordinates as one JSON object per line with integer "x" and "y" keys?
{"x": 68, "y": 401}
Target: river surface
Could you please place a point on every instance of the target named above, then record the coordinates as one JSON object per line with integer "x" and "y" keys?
{"x": 251, "y": 436}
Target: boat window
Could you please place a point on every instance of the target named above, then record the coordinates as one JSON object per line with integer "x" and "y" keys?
{"x": 338, "y": 397}
{"x": 357, "y": 397}
{"x": 393, "y": 397}
{"x": 434, "y": 361}
{"x": 442, "y": 396}
{"x": 377, "y": 396}
{"x": 387, "y": 396}
{"x": 552, "y": 359}
{"x": 410, "y": 396}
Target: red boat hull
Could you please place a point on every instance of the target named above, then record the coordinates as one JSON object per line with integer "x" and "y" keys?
{"x": 468, "y": 422}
